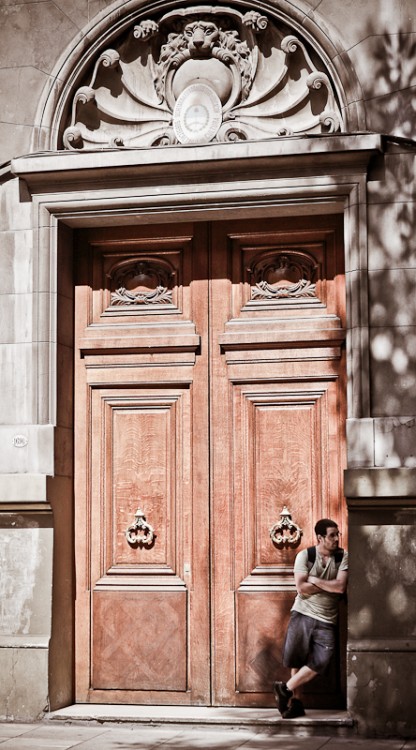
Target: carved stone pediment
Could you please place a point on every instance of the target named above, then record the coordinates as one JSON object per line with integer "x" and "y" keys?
{"x": 198, "y": 75}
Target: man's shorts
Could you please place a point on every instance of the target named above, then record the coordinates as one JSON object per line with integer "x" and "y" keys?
{"x": 308, "y": 642}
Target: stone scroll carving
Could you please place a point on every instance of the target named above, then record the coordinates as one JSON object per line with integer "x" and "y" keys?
{"x": 198, "y": 75}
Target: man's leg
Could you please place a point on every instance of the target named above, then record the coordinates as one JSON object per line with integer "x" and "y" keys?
{"x": 300, "y": 677}
{"x": 287, "y": 695}
{"x": 296, "y": 650}
{"x": 322, "y": 649}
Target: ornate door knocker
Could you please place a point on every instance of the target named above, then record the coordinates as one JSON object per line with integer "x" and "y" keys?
{"x": 286, "y": 531}
{"x": 140, "y": 532}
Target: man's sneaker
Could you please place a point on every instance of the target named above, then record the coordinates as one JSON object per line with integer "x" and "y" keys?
{"x": 282, "y": 695}
{"x": 295, "y": 709}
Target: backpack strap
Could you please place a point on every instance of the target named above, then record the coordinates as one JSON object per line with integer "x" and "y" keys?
{"x": 311, "y": 556}
{"x": 338, "y": 555}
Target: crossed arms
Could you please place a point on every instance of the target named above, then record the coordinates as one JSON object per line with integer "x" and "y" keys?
{"x": 307, "y": 584}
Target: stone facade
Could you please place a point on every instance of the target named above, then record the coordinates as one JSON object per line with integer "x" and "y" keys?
{"x": 367, "y": 51}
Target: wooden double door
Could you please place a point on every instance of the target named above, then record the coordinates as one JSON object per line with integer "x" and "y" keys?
{"x": 209, "y": 405}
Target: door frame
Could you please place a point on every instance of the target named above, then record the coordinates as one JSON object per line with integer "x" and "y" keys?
{"x": 285, "y": 177}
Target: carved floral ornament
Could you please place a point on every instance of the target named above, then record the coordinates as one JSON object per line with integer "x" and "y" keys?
{"x": 284, "y": 275}
{"x": 141, "y": 283}
{"x": 202, "y": 74}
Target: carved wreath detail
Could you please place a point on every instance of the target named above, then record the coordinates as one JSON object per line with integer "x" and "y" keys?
{"x": 261, "y": 80}
{"x": 283, "y": 276}
{"x": 160, "y": 295}
{"x": 141, "y": 283}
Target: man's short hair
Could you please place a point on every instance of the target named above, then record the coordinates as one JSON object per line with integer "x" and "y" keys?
{"x": 323, "y": 524}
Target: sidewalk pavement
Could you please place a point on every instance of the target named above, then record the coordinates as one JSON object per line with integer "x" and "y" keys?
{"x": 53, "y": 735}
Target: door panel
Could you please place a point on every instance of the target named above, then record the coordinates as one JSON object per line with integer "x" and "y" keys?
{"x": 280, "y": 458}
{"x": 140, "y": 466}
{"x": 261, "y": 620}
{"x": 277, "y": 384}
{"x": 139, "y": 640}
{"x": 142, "y": 427}
{"x": 209, "y": 397}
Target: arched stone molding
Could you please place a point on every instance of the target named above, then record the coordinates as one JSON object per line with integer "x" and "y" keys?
{"x": 80, "y": 56}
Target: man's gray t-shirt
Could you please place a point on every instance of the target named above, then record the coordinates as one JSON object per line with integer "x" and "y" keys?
{"x": 322, "y": 606}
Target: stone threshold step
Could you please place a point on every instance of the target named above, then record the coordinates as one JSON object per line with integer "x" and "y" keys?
{"x": 258, "y": 719}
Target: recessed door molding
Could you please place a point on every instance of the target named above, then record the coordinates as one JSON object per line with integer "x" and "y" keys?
{"x": 289, "y": 177}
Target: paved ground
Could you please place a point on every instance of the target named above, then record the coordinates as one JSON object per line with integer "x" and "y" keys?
{"x": 62, "y": 736}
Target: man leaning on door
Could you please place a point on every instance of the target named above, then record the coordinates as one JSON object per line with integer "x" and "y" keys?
{"x": 321, "y": 575}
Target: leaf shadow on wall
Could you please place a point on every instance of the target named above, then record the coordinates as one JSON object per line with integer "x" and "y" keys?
{"x": 391, "y": 109}
{"x": 389, "y": 81}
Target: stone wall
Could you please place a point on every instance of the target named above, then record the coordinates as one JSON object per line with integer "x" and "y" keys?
{"x": 381, "y": 494}
{"x": 381, "y": 654}
{"x": 26, "y": 540}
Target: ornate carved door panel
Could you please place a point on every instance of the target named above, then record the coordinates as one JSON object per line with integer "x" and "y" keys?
{"x": 277, "y": 436}
{"x": 210, "y": 394}
{"x": 142, "y": 436}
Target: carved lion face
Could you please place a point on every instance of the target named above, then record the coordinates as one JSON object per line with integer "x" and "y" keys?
{"x": 201, "y": 37}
